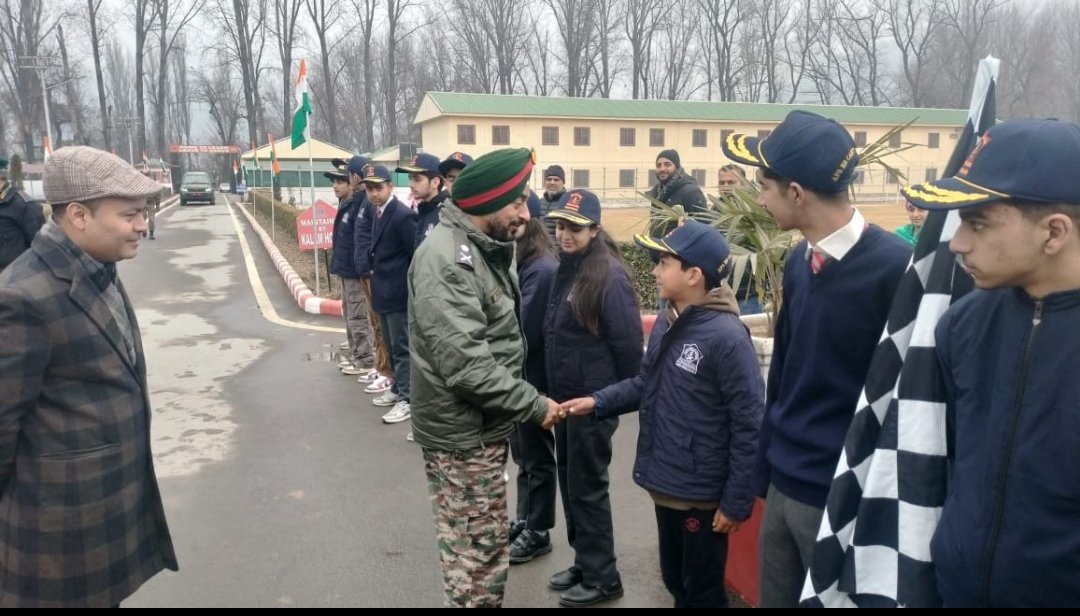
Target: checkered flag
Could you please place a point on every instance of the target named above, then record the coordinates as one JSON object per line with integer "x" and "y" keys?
{"x": 873, "y": 548}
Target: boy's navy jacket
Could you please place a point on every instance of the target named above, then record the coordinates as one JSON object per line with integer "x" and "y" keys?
{"x": 579, "y": 363}
{"x": 343, "y": 259}
{"x": 393, "y": 240}
{"x": 535, "y": 277}
{"x": 701, "y": 399}
{"x": 428, "y": 216}
{"x": 1009, "y": 533}
{"x": 362, "y": 226}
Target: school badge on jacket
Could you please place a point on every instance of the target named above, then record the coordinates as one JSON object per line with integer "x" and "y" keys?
{"x": 690, "y": 358}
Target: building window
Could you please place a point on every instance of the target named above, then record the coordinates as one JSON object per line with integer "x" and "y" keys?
{"x": 581, "y": 178}
{"x": 724, "y": 134}
{"x": 931, "y": 174}
{"x": 582, "y": 135}
{"x": 860, "y": 139}
{"x": 549, "y": 135}
{"x": 891, "y": 178}
{"x": 700, "y": 137}
{"x": 466, "y": 134}
{"x": 500, "y": 135}
{"x": 894, "y": 140}
{"x": 627, "y": 178}
{"x": 627, "y": 137}
{"x": 934, "y": 142}
{"x": 656, "y": 137}
{"x": 761, "y": 134}
{"x": 699, "y": 176}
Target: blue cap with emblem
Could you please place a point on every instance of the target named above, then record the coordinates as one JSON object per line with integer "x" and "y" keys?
{"x": 812, "y": 150}
{"x": 579, "y": 207}
{"x": 357, "y": 163}
{"x": 421, "y": 163}
{"x": 375, "y": 174}
{"x": 1022, "y": 160}
{"x": 457, "y": 160}
{"x": 698, "y": 244}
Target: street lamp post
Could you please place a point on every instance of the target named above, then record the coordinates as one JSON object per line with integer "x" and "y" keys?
{"x": 129, "y": 123}
{"x": 42, "y": 64}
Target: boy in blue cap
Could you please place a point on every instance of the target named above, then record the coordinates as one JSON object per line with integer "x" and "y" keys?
{"x": 426, "y": 184}
{"x": 453, "y": 166}
{"x": 1008, "y": 353}
{"x": 838, "y": 287}
{"x": 701, "y": 399}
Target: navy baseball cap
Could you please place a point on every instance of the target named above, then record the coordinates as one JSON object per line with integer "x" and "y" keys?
{"x": 696, "y": 243}
{"x": 457, "y": 160}
{"x": 579, "y": 207}
{"x": 421, "y": 163}
{"x": 1026, "y": 160}
{"x": 812, "y": 150}
{"x": 336, "y": 175}
{"x": 357, "y": 163}
{"x": 535, "y": 209}
{"x": 376, "y": 174}
{"x": 340, "y": 164}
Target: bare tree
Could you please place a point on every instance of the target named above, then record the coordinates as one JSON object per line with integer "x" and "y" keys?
{"x": 1069, "y": 40}
{"x": 173, "y": 16}
{"x": 722, "y": 21}
{"x": 674, "y": 74}
{"x": 575, "y": 22}
{"x": 180, "y": 82}
{"x": 469, "y": 25}
{"x": 326, "y": 14}
{"x": 24, "y": 27}
{"x": 537, "y": 67}
{"x": 144, "y": 14}
{"x": 121, "y": 91}
{"x": 365, "y": 12}
{"x": 244, "y": 25}
{"x": 769, "y": 25}
{"x": 641, "y": 21}
{"x": 218, "y": 90}
{"x": 1029, "y": 77}
{"x": 93, "y": 13}
{"x": 798, "y": 45}
{"x": 847, "y": 60}
{"x": 968, "y": 24}
{"x": 912, "y": 24}
{"x": 71, "y": 90}
{"x": 606, "y": 69}
{"x": 286, "y": 16}
{"x": 397, "y": 30}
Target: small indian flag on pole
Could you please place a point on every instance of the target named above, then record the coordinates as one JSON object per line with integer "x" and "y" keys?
{"x": 46, "y": 146}
{"x": 275, "y": 168}
{"x": 303, "y": 108}
{"x": 255, "y": 154}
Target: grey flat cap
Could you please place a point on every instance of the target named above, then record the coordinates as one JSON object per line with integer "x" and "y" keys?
{"x": 80, "y": 173}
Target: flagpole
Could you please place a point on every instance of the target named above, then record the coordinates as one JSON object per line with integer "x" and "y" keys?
{"x": 311, "y": 168}
{"x": 273, "y": 206}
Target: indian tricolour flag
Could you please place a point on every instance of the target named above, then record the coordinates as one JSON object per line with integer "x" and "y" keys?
{"x": 303, "y": 108}
{"x": 275, "y": 168}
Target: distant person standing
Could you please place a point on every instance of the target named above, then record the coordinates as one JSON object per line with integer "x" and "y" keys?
{"x": 427, "y": 187}
{"x": 554, "y": 189}
{"x": 81, "y": 518}
{"x": 453, "y": 166}
{"x": 361, "y": 356}
{"x": 20, "y": 220}
{"x": 673, "y": 187}
{"x": 910, "y": 232}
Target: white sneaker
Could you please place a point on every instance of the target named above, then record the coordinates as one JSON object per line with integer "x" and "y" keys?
{"x": 399, "y": 413}
{"x": 351, "y": 370}
{"x": 344, "y": 346}
{"x": 344, "y": 362}
{"x": 380, "y": 385}
{"x": 409, "y": 437}
{"x": 368, "y": 376}
{"x": 388, "y": 398}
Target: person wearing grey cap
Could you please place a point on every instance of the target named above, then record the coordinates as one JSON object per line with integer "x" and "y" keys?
{"x": 81, "y": 517}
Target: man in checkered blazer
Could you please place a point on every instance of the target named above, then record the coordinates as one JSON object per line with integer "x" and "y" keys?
{"x": 81, "y": 518}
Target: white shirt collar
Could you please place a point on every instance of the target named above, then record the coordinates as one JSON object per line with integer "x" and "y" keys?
{"x": 841, "y": 241}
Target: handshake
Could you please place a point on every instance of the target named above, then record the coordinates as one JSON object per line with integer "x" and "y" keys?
{"x": 571, "y": 408}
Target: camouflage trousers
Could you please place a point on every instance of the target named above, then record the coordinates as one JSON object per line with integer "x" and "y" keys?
{"x": 468, "y": 498}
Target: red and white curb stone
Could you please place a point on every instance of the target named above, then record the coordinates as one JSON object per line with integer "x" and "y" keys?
{"x": 307, "y": 300}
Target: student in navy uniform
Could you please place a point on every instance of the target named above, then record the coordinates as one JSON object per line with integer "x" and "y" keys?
{"x": 20, "y": 220}
{"x": 533, "y": 447}
{"x": 592, "y": 338}
{"x": 838, "y": 287}
{"x": 426, "y": 185}
{"x": 453, "y": 166}
{"x": 379, "y": 380}
{"x": 1009, "y": 351}
{"x": 701, "y": 398}
{"x": 393, "y": 241}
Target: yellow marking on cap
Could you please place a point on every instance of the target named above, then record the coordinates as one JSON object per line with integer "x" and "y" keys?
{"x": 577, "y": 219}
{"x": 929, "y": 193}
{"x": 737, "y": 146}
{"x": 652, "y": 244}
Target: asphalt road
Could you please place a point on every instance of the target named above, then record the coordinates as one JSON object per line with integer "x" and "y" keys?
{"x": 281, "y": 485}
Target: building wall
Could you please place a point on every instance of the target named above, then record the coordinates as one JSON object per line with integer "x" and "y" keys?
{"x": 605, "y": 164}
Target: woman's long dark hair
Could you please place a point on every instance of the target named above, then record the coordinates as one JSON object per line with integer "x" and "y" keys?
{"x": 600, "y": 261}
{"x": 535, "y": 243}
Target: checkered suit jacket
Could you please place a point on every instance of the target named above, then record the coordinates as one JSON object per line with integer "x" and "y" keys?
{"x": 81, "y": 519}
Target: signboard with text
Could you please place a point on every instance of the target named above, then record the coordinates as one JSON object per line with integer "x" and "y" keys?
{"x": 315, "y": 226}
{"x": 180, "y": 148}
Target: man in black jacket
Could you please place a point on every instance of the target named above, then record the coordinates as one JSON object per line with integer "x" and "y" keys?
{"x": 20, "y": 220}
{"x": 554, "y": 190}
{"x": 673, "y": 187}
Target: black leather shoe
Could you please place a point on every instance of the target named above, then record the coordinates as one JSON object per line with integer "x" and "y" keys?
{"x": 516, "y": 526}
{"x": 529, "y": 545}
{"x": 565, "y": 579}
{"x": 581, "y": 595}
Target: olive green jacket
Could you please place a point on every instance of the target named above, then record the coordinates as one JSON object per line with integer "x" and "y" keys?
{"x": 465, "y": 339}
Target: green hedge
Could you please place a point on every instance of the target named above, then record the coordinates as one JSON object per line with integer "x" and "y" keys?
{"x": 284, "y": 215}
{"x": 641, "y": 266}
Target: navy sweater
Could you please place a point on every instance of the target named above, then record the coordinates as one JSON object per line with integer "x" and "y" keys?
{"x": 826, "y": 333}
{"x": 535, "y": 277}
{"x": 427, "y": 216}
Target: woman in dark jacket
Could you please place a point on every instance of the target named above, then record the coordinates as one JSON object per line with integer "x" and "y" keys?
{"x": 533, "y": 447}
{"x": 593, "y": 338}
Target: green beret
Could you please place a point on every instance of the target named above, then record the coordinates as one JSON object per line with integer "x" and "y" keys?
{"x": 493, "y": 181}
